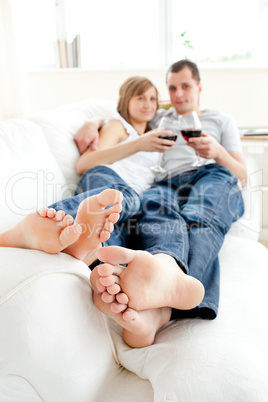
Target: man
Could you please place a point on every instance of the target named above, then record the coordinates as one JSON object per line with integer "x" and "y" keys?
{"x": 183, "y": 218}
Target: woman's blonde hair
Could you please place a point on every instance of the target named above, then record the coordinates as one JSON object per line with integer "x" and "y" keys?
{"x": 133, "y": 86}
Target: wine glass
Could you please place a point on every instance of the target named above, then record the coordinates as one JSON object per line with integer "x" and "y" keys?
{"x": 191, "y": 127}
{"x": 166, "y": 123}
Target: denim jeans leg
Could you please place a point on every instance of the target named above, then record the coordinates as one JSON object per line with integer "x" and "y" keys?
{"x": 213, "y": 203}
{"x": 160, "y": 228}
{"x": 93, "y": 182}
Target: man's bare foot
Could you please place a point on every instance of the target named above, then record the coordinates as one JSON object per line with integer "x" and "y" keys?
{"x": 139, "y": 327}
{"x": 149, "y": 281}
{"x": 45, "y": 230}
{"x": 97, "y": 222}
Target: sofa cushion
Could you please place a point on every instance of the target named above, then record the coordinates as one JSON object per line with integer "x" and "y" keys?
{"x": 29, "y": 173}
{"x": 59, "y": 126}
{"x": 53, "y": 340}
{"x": 220, "y": 360}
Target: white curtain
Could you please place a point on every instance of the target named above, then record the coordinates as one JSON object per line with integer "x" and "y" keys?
{"x": 14, "y": 100}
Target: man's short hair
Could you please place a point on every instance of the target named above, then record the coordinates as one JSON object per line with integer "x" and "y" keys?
{"x": 181, "y": 64}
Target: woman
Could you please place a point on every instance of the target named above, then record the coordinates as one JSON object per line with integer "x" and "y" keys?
{"x": 127, "y": 150}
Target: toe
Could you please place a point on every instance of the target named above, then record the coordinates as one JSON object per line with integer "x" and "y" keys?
{"x": 116, "y": 255}
{"x": 109, "y": 280}
{"x": 117, "y": 307}
{"x": 108, "y": 226}
{"x": 114, "y": 289}
{"x": 109, "y": 197}
{"x": 122, "y": 298}
{"x": 114, "y": 217}
{"x": 129, "y": 314}
{"x": 59, "y": 216}
{"x": 104, "y": 236}
{"x": 51, "y": 212}
{"x": 42, "y": 212}
{"x": 105, "y": 269}
{"x": 107, "y": 298}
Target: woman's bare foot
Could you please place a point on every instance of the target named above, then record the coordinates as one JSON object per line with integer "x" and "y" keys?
{"x": 139, "y": 327}
{"x": 149, "y": 281}
{"x": 45, "y": 230}
{"x": 97, "y": 222}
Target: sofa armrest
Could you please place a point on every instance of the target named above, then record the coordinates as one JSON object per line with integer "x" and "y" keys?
{"x": 52, "y": 335}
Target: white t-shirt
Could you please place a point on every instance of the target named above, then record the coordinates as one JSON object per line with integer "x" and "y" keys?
{"x": 135, "y": 170}
{"x": 179, "y": 159}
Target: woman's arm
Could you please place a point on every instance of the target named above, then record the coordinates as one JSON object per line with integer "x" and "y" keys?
{"x": 111, "y": 150}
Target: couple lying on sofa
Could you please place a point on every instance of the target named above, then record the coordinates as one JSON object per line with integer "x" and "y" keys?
{"x": 170, "y": 227}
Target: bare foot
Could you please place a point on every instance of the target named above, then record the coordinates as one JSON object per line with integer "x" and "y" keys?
{"x": 97, "y": 221}
{"x": 149, "y": 281}
{"x": 45, "y": 230}
{"x": 139, "y": 327}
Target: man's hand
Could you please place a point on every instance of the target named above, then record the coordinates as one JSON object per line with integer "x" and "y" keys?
{"x": 206, "y": 145}
{"x": 87, "y": 136}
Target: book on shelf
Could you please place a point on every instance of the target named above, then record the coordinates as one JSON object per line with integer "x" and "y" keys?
{"x": 62, "y": 53}
{"x": 68, "y": 54}
{"x": 78, "y": 50}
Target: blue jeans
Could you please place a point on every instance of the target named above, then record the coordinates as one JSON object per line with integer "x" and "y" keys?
{"x": 93, "y": 182}
{"x": 187, "y": 217}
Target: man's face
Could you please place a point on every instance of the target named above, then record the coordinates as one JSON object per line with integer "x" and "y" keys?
{"x": 184, "y": 91}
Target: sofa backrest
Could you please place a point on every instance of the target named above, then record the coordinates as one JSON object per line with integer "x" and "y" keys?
{"x": 59, "y": 126}
{"x": 38, "y": 157}
{"x": 29, "y": 175}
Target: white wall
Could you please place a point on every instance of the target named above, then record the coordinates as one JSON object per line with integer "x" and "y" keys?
{"x": 241, "y": 92}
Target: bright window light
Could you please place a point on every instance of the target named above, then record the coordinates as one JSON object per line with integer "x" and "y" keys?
{"x": 220, "y": 31}
{"x": 143, "y": 34}
{"x": 35, "y": 29}
{"x": 116, "y": 34}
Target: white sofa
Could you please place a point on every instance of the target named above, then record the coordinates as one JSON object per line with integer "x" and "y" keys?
{"x": 56, "y": 346}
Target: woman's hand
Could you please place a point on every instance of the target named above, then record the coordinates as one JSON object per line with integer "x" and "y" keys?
{"x": 151, "y": 141}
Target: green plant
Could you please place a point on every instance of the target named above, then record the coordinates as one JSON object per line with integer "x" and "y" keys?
{"x": 186, "y": 42}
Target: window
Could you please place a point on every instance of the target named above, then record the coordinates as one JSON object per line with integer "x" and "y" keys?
{"x": 138, "y": 34}
{"x": 220, "y": 31}
{"x": 116, "y": 33}
{"x": 35, "y": 29}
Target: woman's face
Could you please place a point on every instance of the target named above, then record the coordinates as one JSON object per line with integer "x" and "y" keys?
{"x": 142, "y": 108}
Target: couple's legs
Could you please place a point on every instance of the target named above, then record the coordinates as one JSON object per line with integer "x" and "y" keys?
{"x": 193, "y": 235}
{"x": 52, "y": 231}
{"x": 199, "y": 208}
{"x": 141, "y": 296}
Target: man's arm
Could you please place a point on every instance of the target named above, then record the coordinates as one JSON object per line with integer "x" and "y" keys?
{"x": 88, "y": 135}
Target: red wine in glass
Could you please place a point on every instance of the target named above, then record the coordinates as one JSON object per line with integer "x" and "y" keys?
{"x": 166, "y": 123}
{"x": 190, "y": 126}
{"x": 169, "y": 137}
{"x": 189, "y": 133}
